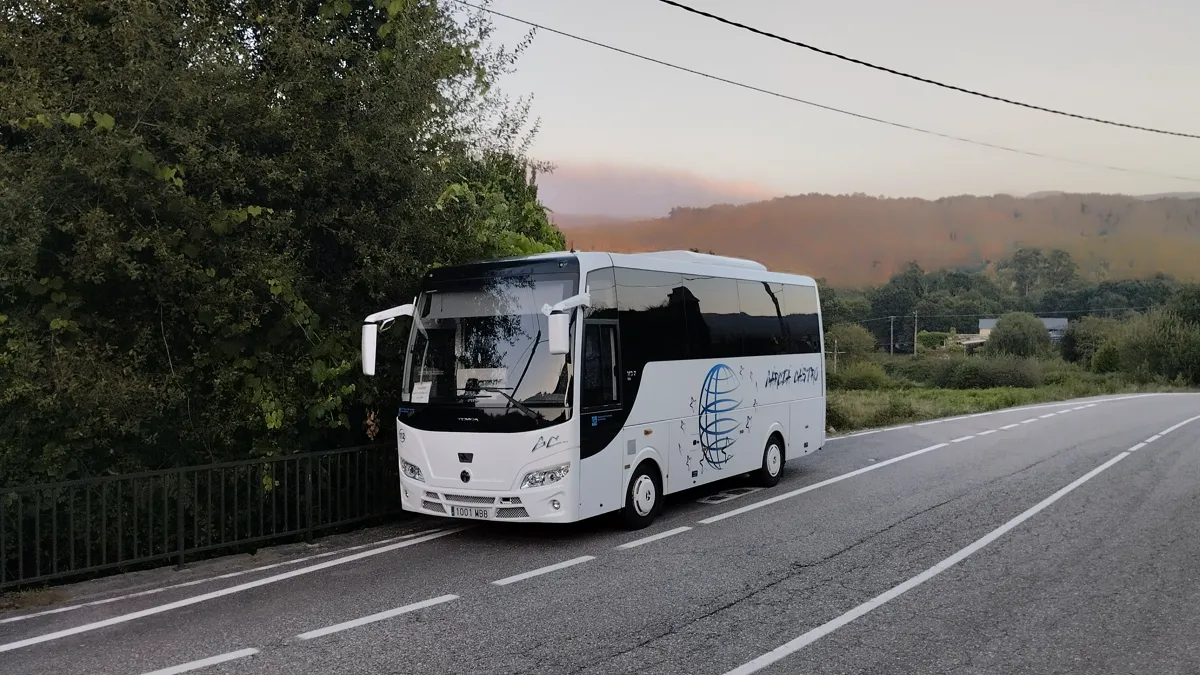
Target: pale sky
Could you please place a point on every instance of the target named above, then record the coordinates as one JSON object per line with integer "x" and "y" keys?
{"x": 1137, "y": 62}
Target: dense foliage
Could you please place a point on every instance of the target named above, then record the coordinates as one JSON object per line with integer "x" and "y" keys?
{"x": 1019, "y": 334}
{"x": 200, "y": 200}
{"x": 1034, "y": 281}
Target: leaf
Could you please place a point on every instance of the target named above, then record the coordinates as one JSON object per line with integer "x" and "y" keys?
{"x": 254, "y": 210}
{"x": 142, "y": 161}
{"x": 395, "y": 7}
{"x": 104, "y": 122}
{"x": 74, "y": 119}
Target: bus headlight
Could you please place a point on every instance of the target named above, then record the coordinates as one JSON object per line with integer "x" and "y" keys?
{"x": 546, "y": 476}
{"x": 411, "y": 470}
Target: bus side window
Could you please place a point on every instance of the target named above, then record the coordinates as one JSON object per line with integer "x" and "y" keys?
{"x": 601, "y": 382}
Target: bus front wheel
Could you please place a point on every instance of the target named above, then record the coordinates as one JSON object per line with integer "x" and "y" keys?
{"x": 643, "y": 498}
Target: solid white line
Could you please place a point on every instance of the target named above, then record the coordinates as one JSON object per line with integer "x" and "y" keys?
{"x": 821, "y": 631}
{"x": 963, "y": 438}
{"x": 1137, "y": 447}
{"x": 197, "y": 582}
{"x": 347, "y": 625}
{"x": 543, "y": 570}
{"x": 656, "y": 537}
{"x": 814, "y": 486}
{"x": 1187, "y": 421}
{"x": 222, "y": 592}
{"x": 1039, "y": 406}
{"x": 204, "y": 663}
{"x": 985, "y": 433}
{"x": 1009, "y": 426}
{"x": 1154, "y": 438}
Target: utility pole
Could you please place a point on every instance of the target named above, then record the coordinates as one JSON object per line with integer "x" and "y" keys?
{"x": 892, "y": 348}
{"x": 835, "y": 353}
{"x": 914, "y": 333}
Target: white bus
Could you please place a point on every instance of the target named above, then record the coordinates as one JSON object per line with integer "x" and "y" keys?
{"x": 562, "y": 386}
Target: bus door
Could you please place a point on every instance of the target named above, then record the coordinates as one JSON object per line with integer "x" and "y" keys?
{"x": 601, "y": 419}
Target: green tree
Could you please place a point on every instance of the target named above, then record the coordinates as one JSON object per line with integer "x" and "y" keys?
{"x": 854, "y": 343}
{"x": 1018, "y": 334}
{"x": 199, "y": 201}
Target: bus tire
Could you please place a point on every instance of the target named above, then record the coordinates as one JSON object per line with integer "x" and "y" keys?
{"x": 774, "y": 457}
{"x": 643, "y": 497}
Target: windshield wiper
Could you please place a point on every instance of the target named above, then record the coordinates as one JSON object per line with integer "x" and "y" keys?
{"x": 496, "y": 390}
{"x": 512, "y": 399}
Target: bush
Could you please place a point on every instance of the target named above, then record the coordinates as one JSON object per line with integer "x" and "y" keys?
{"x": 1159, "y": 345}
{"x": 1107, "y": 358}
{"x": 991, "y": 372}
{"x": 932, "y": 340}
{"x": 853, "y": 342}
{"x": 1018, "y": 334}
{"x": 862, "y": 375}
{"x": 1084, "y": 337}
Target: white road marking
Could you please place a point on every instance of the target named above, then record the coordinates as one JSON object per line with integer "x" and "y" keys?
{"x": 223, "y": 592}
{"x": 204, "y": 663}
{"x": 814, "y": 486}
{"x": 878, "y": 601}
{"x": 543, "y": 570}
{"x": 960, "y": 439}
{"x": 869, "y": 432}
{"x": 1009, "y": 426}
{"x": 656, "y": 537}
{"x": 197, "y": 582}
{"x": 1137, "y": 447}
{"x": 347, "y": 625}
{"x": 985, "y": 433}
{"x": 1029, "y": 421}
{"x": 1042, "y": 417}
{"x": 1187, "y": 421}
{"x": 1154, "y": 438}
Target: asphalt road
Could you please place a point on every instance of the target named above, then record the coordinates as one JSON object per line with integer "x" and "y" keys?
{"x": 1062, "y": 539}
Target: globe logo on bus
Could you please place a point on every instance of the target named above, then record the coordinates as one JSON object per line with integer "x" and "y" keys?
{"x": 717, "y": 426}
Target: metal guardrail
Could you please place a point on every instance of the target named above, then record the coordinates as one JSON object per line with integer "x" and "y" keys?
{"x": 60, "y": 530}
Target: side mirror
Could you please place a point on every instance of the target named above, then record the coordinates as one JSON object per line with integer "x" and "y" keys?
{"x": 560, "y": 333}
{"x": 370, "y": 334}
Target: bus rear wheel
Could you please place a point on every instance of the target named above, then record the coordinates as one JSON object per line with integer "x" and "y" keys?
{"x": 772, "y": 465}
{"x": 643, "y": 499}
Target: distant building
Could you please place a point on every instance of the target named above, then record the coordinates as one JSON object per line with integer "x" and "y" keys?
{"x": 1056, "y": 327}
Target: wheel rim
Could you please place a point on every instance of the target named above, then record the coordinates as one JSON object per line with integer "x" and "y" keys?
{"x": 774, "y": 459}
{"x": 644, "y": 495}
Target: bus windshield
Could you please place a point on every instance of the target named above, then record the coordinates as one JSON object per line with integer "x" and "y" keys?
{"x": 479, "y": 356}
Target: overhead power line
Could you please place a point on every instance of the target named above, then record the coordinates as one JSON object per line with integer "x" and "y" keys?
{"x": 840, "y": 111}
{"x": 918, "y": 78}
{"x": 988, "y": 315}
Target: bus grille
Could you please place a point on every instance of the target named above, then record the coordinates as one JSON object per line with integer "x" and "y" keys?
{"x": 432, "y": 506}
{"x": 468, "y": 499}
{"x": 512, "y": 512}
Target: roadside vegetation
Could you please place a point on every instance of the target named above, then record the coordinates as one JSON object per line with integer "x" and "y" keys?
{"x": 1018, "y": 365}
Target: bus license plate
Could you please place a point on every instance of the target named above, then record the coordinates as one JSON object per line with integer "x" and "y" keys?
{"x": 467, "y": 512}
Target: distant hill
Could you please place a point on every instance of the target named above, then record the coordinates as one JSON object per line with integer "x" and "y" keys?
{"x": 854, "y": 240}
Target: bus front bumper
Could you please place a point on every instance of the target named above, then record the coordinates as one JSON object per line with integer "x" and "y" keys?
{"x": 549, "y": 504}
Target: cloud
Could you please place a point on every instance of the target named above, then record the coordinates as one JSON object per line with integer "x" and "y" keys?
{"x": 619, "y": 191}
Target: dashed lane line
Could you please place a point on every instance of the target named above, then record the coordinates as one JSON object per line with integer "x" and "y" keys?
{"x": 655, "y": 537}
{"x": 543, "y": 570}
{"x": 355, "y": 623}
{"x": 205, "y": 663}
